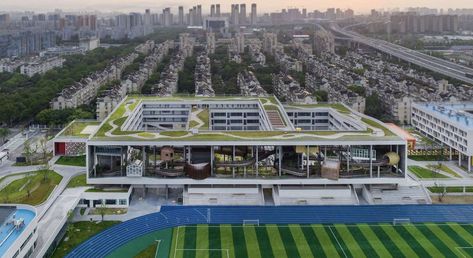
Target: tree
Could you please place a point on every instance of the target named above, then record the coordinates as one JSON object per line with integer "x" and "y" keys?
{"x": 4, "y": 132}
{"x": 28, "y": 151}
{"x": 43, "y": 147}
{"x": 28, "y": 185}
{"x": 102, "y": 210}
{"x": 46, "y": 168}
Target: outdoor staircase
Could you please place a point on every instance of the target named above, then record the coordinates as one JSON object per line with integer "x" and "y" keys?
{"x": 275, "y": 119}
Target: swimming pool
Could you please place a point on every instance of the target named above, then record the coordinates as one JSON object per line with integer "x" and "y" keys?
{"x": 8, "y": 233}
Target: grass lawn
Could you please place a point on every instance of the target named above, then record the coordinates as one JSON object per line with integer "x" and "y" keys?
{"x": 421, "y": 172}
{"x": 424, "y": 157}
{"x": 108, "y": 211}
{"x": 204, "y": 116}
{"x": 452, "y": 199}
{"x": 78, "y": 161}
{"x": 445, "y": 169}
{"x": 76, "y": 127}
{"x": 35, "y": 183}
{"x": 339, "y": 240}
{"x": 450, "y": 189}
{"x": 149, "y": 252}
{"x": 77, "y": 181}
{"x": 375, "y": 124}
{"x": 82, "y": 231}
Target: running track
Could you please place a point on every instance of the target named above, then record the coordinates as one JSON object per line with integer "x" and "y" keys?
{"x": 171, "y": 216}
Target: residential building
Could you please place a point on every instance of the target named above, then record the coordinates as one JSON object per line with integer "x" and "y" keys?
{"x": 41, "y": 66}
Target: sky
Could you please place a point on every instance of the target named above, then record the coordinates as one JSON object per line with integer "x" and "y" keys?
{"x": 360, "y": 6}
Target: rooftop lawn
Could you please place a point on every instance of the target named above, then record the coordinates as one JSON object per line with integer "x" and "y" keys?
{"x": 421, "y": 172}
{"x": 204, "y": 116}
{"x": 375, "y": 124}
{"x": 338, "y": 106}
{"x": 76, "y": 127}
{"x": 33, "y": 189}
{"x": 108, "y": 190}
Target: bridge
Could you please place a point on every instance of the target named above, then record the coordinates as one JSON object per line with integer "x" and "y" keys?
{"x": 438, "y": 65}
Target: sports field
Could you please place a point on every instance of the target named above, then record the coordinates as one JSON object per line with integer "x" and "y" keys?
{"x": 338, "y": 240}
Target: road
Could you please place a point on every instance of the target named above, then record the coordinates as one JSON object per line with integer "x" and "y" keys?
{"x": 434, "y": 64}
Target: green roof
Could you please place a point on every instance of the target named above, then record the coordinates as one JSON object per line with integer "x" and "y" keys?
{"x": 110, "y": 129}
{"x": 76, "y": 128}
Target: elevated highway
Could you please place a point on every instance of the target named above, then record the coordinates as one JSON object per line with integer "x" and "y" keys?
{"x": 444, "y": 67}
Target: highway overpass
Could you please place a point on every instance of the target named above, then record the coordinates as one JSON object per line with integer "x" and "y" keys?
{"x": 441, "y": 66}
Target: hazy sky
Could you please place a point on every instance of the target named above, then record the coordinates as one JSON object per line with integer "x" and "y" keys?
{"x": 263, "y": 5}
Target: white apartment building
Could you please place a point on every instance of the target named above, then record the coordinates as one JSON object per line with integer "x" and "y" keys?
{"x": 448, "y": 123}
{"x": 41, "y": 66}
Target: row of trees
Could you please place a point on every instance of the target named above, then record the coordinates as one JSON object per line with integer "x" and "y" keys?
{"x": 23, "y": 97}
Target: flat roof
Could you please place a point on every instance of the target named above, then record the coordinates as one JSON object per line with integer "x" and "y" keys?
{"x": 457, "y": 113}
{"x": 80, "y": 129}
{"x": 110, "y": 129}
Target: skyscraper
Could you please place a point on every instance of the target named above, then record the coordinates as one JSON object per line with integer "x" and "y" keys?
{"x": 217, "y": 11}
{"x": 234, "y": 16}
{"x": 242, "y": 19}
{"x": 254, "y": 14}
{"x": 212, "y": 10}
{"x": 181, "y": 16}
{"x": 199, "y": 15}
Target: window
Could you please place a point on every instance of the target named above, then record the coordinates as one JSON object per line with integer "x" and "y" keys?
{"x": 122, "y": 202}
{"x": 110, "y": 202}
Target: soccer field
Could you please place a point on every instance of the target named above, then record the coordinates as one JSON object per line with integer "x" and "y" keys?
{"x": 360, "y": 240}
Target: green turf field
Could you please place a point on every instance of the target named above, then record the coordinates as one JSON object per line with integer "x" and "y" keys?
{"x": 360, "y": 240}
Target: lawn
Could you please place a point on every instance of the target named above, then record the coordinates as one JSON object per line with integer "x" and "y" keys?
{"x": 424, "y": 157}
{"x": 77, "y": 181}
{"x": 78, "y": 161}
{"x": 76, "y": 127}
{"x": 108, "y": 211}
{"x": 81, "y": 231}
{"x": 445, "y": 169}
{"x": 450, "y": 189}
{"x": 339, "y": 240}
{"x": 204, "y": 116}
{"x": 421, "y": 172}
{"x": 375, "y": 124}
{"x": 32, "y": 189}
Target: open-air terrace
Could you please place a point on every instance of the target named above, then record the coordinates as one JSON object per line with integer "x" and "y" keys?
{"x": 189, "y": 118}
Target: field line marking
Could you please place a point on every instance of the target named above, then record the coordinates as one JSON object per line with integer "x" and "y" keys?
{"x": 339, "y": 245}
{"x": 204, "y": 249}
{"x": 177, "y": 240}
{"x": 459, "y": 248}
{"x": 157, "y": 248}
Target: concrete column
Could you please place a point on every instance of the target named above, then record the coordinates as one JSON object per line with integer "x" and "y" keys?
{"x": 280, "y": 160}
{"x": 143, "y": 150}
{"x": 212, "y": 160}
{"x": 256, "y": 162}
{"x": 469, "y": 163}
{"x": 371, "y": 161}
{"x": 233, "y": 160}
{"x": 307, "y": 161}
{"x": 348, "y": 159}
{"x": 459, "y": 159}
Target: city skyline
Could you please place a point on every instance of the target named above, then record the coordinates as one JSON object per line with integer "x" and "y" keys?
{"x": 361, "y": 6}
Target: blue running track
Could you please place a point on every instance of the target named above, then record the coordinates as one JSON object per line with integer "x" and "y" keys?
{"x": 172, "y": 216}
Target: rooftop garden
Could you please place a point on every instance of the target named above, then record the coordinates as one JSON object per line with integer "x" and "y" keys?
{"x": 32, "y": 188}
{"x": 75, "y": 128}
{"x": 111, "y": 129}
